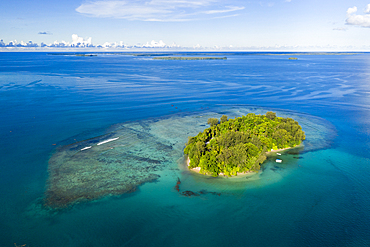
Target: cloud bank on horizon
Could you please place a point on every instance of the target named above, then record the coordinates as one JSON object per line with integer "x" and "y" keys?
{"x": 79, "y": 42}
{"x": 358, "y": 20}
{"x": 158, "y": 10}
{"x": 256, "y": 25}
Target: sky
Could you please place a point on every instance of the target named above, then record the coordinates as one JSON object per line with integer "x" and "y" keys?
{"x": 188, "y": 23}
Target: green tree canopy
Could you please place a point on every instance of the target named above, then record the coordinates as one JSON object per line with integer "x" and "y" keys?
{"x": 223, "y": 118}
{"x": 212, "y": 121}
{"x": 240, "y": 144}
{"x": 271, "y": 115}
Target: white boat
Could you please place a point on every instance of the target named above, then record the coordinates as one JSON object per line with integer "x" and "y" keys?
{"x": 85, "y": 148}
{"x": 278, "y": 153}
{"x": 279, "y": 160}
{"x": 106, "y": 141}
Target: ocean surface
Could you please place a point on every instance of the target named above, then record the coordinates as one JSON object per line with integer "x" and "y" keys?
{"x": 52, "y": 106}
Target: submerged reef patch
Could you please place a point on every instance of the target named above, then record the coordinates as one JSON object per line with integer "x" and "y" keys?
{"x": 112, "y": 165}
{"x": 189, "y": 193}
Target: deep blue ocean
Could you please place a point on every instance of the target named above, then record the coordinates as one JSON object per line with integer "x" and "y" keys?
{"x": 318, "y": 197}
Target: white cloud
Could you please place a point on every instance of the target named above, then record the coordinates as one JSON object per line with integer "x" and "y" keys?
{"x": 155, "y": 10}
{"x": 155, "y": 44}
{"x": 224, "y": 16}
{"x": 181, "y": 3}
{"x": 350, "y": 11}
{"x": 367, "y": 10}
{"x": 358, "y": 20}
{"x": 228, "y": 9}
{"x": 80, "y": 41}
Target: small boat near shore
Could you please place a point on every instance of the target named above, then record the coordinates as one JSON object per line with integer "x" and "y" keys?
{"x": 85, "y": 148}
{"x": 106, "y": 141}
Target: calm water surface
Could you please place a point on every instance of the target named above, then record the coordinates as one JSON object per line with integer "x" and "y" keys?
{"x": 318, "y": 197}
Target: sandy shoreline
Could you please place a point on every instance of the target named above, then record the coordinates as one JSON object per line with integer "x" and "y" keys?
{"x": 197, "y": 170}
{"x": 282, "y": 149}
{"x": 277, "y": 150}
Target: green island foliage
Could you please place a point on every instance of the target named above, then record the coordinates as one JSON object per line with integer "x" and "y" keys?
{"x": 240, "y": 145}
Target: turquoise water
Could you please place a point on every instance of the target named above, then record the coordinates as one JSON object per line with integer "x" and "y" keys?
{"x": 317, "y": 196}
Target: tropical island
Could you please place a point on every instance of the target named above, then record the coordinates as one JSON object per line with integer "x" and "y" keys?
{"x": 237, "y": 146}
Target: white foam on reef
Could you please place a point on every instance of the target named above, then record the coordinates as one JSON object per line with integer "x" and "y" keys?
{"x": 86, "y": 148}
{"x": 106, "y": 141}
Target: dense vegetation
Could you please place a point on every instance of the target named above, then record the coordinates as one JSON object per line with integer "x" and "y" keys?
{"x": 240, "y": 144}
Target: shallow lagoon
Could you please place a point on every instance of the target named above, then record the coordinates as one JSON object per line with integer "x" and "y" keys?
{"x": 322, "y": 198}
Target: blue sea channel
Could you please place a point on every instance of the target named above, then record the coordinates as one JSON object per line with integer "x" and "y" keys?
{"x": 53, "y": 105}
